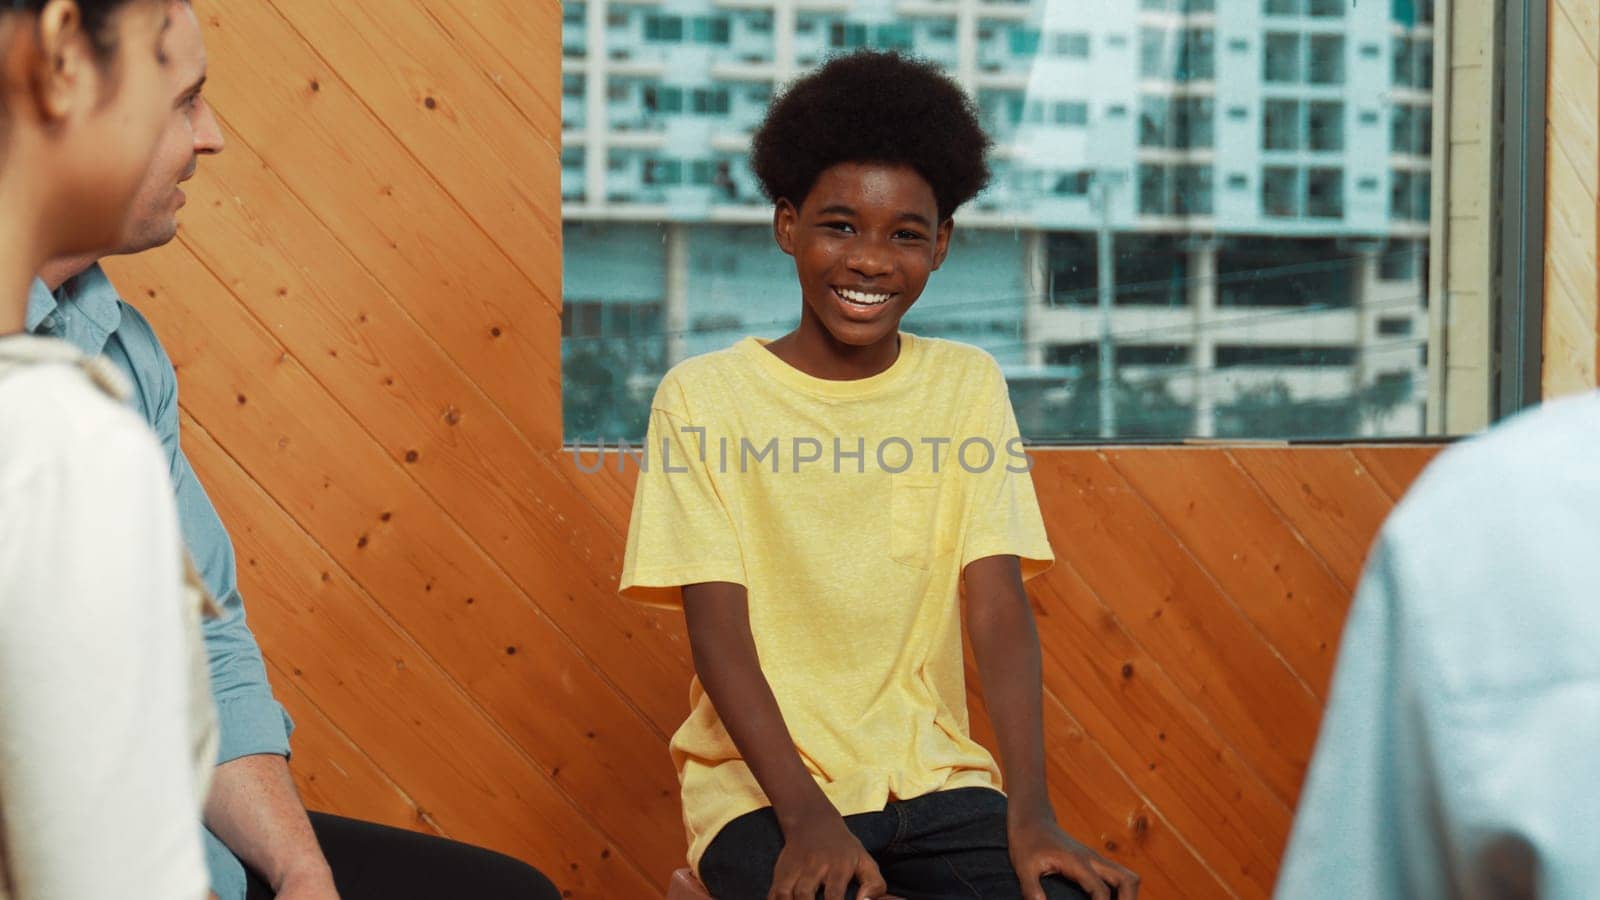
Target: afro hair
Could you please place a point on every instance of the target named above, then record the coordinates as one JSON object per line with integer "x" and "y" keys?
{"x": 872, "y": 106}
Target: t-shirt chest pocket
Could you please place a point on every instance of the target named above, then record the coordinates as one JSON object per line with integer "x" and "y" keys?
{"x": 917, "y": 535}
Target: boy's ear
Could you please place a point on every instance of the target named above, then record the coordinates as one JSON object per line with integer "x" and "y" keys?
{"x": 941, "y": 241}
{"x": 784, "y": 218}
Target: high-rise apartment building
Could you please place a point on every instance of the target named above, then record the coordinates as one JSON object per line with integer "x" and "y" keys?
{"x": 1225, "y": 201}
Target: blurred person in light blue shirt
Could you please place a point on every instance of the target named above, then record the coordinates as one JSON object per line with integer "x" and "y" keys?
{"x": 1460, "y": 752}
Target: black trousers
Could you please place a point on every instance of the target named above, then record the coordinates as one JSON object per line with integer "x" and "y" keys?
{"x": 376, "y": 862}
{"x": 948, "y": 845}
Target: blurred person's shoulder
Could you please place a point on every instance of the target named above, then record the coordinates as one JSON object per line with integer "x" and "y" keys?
{"x": 1493, "y": 551}
{"x": 1502, "y": 476}
{"x": 66, "y": 414}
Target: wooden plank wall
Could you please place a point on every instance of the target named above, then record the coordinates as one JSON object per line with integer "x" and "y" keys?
{"x": 1572, "y": 175}
{"x": 363, "y": 308}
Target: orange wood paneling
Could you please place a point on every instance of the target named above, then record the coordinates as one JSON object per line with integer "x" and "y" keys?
{"x": 363, "y": 308}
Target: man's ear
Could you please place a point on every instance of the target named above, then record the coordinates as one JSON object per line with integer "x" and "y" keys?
{"x": 941, "y": 241}
{"x": 784, "y": 219}
{"x": 63, "y": 64}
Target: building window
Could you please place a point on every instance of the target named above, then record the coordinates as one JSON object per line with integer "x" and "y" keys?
{"x": 1281, "y": 7}
{"x": 1281, "y": 61}
{"x": 1280, "y": 191}
{"x": 1412, "y": 131}
{"x": 847, "y": 35}
{"x": 1327, "y": 59}
{"x": 663, "y": 29}
{"x": 1072, "y": 113}
{"x": 1325, "y": 193}
{"x": 1183, "y": 123}
{"x": 1327, "y": 9}
{"x": 1325, "y": 126}
{"x": 1394, "y": 326}
{"x": 1413, "y": 63}
{"x": 1280, "y": 125}
{"x": 1073, "y": 45}
{"x": 1152, "y": 355}
{"x": 1284, "y": 355}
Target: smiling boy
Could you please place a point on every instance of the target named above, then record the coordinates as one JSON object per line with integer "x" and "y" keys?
{"x": 827, "y": 752}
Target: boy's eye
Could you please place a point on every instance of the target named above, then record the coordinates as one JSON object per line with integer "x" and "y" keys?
{"x": 910, "y": 236}
{"x": 844, "y": 227}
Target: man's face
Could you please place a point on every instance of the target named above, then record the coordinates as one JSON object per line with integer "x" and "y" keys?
{"x": 864, "y": 242}
{"x": 190, "y": 129}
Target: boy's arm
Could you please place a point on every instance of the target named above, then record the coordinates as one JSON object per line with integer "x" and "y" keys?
{"x": 1006, "y": 644}
{"x": 819, "y": 852}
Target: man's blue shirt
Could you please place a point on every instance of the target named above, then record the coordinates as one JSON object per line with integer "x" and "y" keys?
{"x": 87, "y": 312}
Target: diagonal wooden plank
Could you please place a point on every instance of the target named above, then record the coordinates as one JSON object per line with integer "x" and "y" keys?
{"x": 329, "y": 314}
{"x": 392, "y": 699}
{"x": 333, "y": 773}
{"x": 442, "y": 109}
{"x": 1327, "y": 495}
{"x": 334, "y": 156}
{"x": 1131, "y": 708}
{"x": 1396, "y": 468}
{"x": 1258, "y": 561}
{"x": 1097, "y": 803}
{"x": 1175, "y": 612}
{"x": 364, "y": 511}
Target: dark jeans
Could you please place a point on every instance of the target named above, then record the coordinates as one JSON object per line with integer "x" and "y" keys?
{"x": 375, "y": 862}
{"x": 948, "y": 845}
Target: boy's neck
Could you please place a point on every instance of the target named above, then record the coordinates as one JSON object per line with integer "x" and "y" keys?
{"x": 816, "y": 352}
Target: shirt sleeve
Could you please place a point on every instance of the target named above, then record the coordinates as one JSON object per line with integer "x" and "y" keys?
{"x": 681, "y": 531}
{"x": 1366, "y": 825}
{"x": 1003, "y": 518}
{"x": 97, "y": 748}
{"x": 251, "y": 720}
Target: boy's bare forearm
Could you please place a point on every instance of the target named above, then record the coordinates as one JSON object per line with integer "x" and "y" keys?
{"x": 1005, "y": 643}
{"x": 730, "y": 672}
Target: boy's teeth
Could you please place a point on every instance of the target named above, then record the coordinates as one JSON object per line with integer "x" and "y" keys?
{"x": 859, "y": 297}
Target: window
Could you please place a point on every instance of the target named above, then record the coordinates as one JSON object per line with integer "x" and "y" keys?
{"x": 1280, "y": 125}
{"x": 847, "y": 35}
{"x": 1074, "y": 45}
{"x": 1281, "y": 61}
{"x": 663, "y": 29}
{"x": 1072, "y": 113}
{"x": 1325, "y": 193}
{"x": 1280, "y": 191}
{"x": 1413, "y": 129}
{"x": 1152, "y": 355}
{"x": 714, "y": 30}
{"x": 1319, "y": 230}
{"x": 1325, "y": 126}
{"x": 1283, "y": 355}
{"x": 1182, "y": 124}
{"x": 1024, "y": 42}
{"x": 1072, "y": 184}
{"x": 1394, "y": 326}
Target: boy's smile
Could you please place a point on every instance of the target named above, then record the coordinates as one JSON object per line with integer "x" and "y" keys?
{"x": 864, "y": 241}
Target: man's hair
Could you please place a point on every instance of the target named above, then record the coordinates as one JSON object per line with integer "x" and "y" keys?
{"x": 873, "y": 106}
{"x": 97, "y": 15}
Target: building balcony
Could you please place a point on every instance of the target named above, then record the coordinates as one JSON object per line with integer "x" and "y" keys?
{"x": 765, "y": 71}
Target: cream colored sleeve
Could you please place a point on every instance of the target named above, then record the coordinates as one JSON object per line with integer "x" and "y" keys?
{"x": 97, "y": 769}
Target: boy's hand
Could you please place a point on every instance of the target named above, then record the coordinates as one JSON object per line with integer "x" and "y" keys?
{"x": 1041, "y": 848}
{"x": 824, "y": 856}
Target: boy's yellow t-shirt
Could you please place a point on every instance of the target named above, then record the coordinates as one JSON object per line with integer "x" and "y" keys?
{"x": 792, "y": 486}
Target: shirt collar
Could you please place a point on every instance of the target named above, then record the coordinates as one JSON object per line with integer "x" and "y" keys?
{"x": 41, "y": 303}
{"x": 91, "y": 294}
